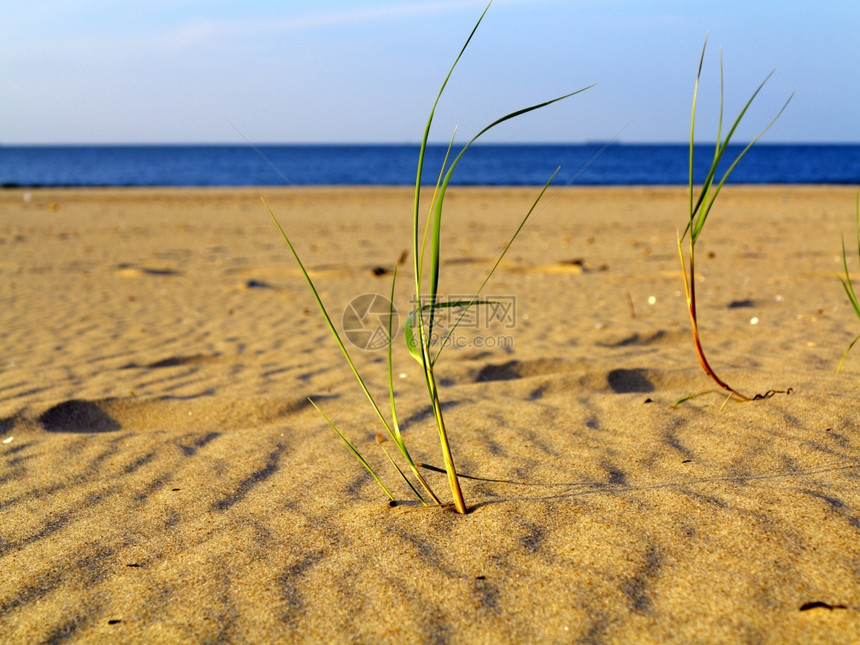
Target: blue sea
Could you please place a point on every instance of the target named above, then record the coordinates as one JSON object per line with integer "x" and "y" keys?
{"x": 395, "y": 165}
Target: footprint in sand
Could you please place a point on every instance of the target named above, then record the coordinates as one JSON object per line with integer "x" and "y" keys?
{"x": 131, "y": 271}
{"x": 565, "y": 375}
{"x": 166, "y": 413}
{"x": 657, "y": 337}
{"x": 176, "y": 361}
{"x": 630, "y": 381}
{"x": 521, "y": 369}
{"x": 78, "y": 416}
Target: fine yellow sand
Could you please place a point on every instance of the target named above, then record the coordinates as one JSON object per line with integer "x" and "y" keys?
{"x": 163, "y": 477}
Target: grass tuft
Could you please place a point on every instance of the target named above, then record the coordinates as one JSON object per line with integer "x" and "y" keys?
{"x": 846, "y": 281}
{"x": 427, "y": 259}
{"x": 700, "y": 208}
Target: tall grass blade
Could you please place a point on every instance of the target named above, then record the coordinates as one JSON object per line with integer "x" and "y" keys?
{"x": 700, "y": 207}
{"x": 498, "y": 261}
{"x": 845, "y": 355}
{"x": 328, "y": 320}
{"x": 419, "y": 174}
{"x": 395, "y": 437}
{"x": 415, "y": 491}
{"x": 388, "y": 351}
{"x": 418, "y": 257}
{"x": 435, "y": 195}
{"x": 847, "y": 284}
{"x": 354, "y": 451}
{"x": 846, "y": 281}
{"x": 419, "y": 335}
{"x": 440, "y": 199}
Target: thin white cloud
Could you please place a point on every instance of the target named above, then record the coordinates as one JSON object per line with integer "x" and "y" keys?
{"x": 200, "y": 32}
{"x": 195, "y": 33}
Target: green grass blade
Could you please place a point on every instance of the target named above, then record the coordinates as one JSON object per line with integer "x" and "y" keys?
{"x": 731, "y": 168}
{"x": 397, "y": 436}
{"x": 498, "y": 261}
{"x": 418, "y": 255}
{"x": 437, "y": 216}
{"x": 394, "y": 436}
{"x": 684, "y": 399}
{"x": 693, "y": 130}
{"x": 700, "y": 208}
{"x": 418, "y": 335}
{"x": 857, "y": 221}
{"x": 423, "y": 149}
{"x": 849, "y": 290}
{"x": 328, "y": 321}
{"x": 389, "y": 355}
{"x": 845, "y": 355}
{"x": 403, "y": 475}
{"x": 847, "y": 284}
{"x": 412, "y": 341}
{"x": 418, "y": 252}
{"x": 519, "y": 229}
{"x": 705, "y": 196}
{"x": 354, "y": 451}
{"x": 435, "y": 195}
{"x": 722, "y": 105}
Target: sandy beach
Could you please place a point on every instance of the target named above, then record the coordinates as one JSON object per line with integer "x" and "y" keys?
{"x": 163, "y": 477}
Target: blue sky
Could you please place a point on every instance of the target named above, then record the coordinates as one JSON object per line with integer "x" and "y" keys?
{"x": 195, "y": 71}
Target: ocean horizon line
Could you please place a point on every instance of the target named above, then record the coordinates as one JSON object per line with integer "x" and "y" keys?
{"x": 394, "y": 164}
{"x": 322, "y": 144}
